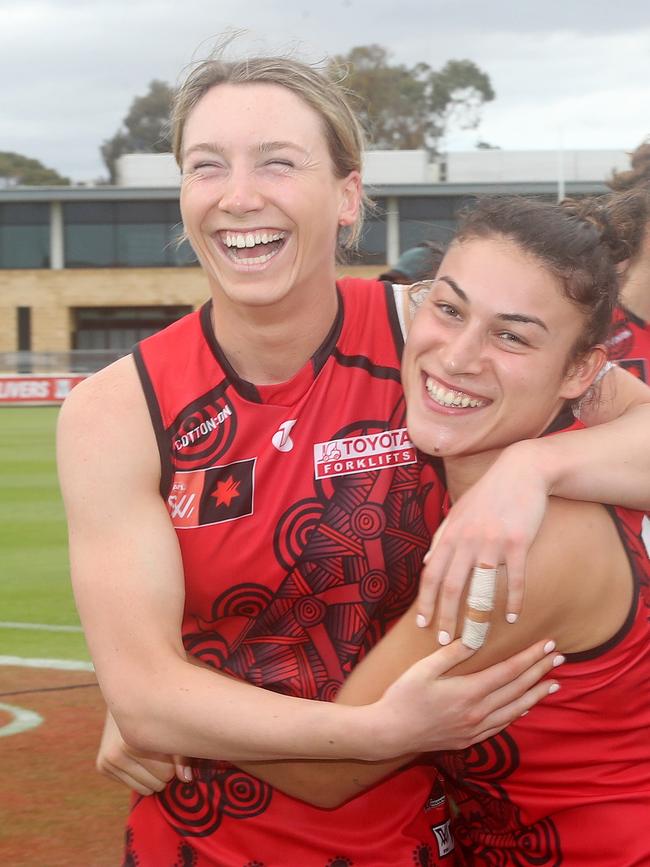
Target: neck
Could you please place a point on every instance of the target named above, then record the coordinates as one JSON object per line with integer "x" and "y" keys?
{"x": 464, "y": 471}
{"x": 267, "y": 345}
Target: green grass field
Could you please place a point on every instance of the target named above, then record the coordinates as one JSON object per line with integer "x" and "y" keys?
{"x": 34, "y": 573}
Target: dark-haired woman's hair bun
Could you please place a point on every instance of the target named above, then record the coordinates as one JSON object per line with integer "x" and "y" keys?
{"x": 594, "y": 210}
{"x": 639, "y": 172}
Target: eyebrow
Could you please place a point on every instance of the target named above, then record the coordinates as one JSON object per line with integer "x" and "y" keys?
{"x": 263, "y": 148}
{"x": 504, "y": 317}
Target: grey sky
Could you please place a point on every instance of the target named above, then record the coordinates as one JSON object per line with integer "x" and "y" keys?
{"x": 572, "y": 73}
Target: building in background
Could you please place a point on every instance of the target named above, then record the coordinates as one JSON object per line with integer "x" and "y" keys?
{"x": 88, "y": 271}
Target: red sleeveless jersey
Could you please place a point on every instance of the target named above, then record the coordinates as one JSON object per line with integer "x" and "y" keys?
{"x": 300, "y": 513}
{"x": 629, "y": 343}
{"x": 568, "y": 785}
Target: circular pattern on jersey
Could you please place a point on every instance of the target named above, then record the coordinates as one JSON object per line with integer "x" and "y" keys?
{"x": 310, "y": 611}
{"x": 368, "y": 521}
{"x": 374, "y": 586}
{"x": 203, "y": 432}
{"x": 294, "y": 529}
{"x": 243, "y": 796}
{"x": 243, "y": 600}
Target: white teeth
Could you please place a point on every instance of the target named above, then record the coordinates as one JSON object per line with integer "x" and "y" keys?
{"x": 250, "y": 239}
{"x": 253, "y": 260}
{"x": 446, "y": 397}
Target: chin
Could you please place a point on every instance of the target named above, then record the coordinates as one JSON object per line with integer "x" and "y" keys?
{"x": 431, "y": 439}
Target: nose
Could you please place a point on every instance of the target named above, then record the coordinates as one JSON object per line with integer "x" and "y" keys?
{"x": 463, "y": 352}
{"x": 240, "y": 195}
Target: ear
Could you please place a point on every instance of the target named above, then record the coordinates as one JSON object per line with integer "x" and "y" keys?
{"x": 582, "y": 372}
{"x": 350, "y": 199}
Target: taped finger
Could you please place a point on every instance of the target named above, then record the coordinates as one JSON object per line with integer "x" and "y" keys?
{"x": 480, "y": 604}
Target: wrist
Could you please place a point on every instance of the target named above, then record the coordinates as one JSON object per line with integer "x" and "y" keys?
{"x": 534, "y": 459}
{"x": 372, "y": 736}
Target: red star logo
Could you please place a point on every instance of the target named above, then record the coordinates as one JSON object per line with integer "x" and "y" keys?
{"x": 225, "y": 492}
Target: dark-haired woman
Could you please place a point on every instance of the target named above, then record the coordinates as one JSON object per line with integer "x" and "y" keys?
{"x": 512, "y": 332}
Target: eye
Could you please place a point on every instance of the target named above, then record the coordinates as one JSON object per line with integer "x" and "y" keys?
{"x": 448, "y": 310}
{"x": 203, "y": 167}
{"x": 511, "y": 338}
{"x": 280, "y": 163}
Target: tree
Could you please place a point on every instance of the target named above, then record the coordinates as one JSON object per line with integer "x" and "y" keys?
{"x": 145, "y": 128}
{"x": 412, "y": 107}
{"x": 17, "y": 170}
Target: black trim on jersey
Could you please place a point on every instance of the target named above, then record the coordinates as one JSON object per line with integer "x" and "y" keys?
{"x": 632, "y": 317}
{"x": 564, "y": 419}
{"x": 246, "y": 389}
{"x": 393, "y": 318}
{"x": 628, "y": 623}
{"x": 326, "y": 348}
{"x": 156, "y": 422}
{"x": 362, "y": 361}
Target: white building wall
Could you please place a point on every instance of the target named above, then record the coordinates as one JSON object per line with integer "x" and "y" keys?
{"x": 415, "y": 167}
{"x": 485, "y": 166}
{"x": 147, "y": 170}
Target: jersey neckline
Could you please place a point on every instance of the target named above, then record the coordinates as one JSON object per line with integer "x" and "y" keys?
{"x": 281, "y": 393}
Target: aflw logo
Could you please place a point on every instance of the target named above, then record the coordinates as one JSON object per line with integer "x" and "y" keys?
{"x": 362, "y": 453}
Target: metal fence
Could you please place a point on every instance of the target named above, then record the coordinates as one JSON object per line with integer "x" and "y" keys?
{"x": 73, "y": 361}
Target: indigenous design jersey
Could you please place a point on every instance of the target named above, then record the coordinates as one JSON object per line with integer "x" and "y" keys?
{"x": 303, "y": 513}
{"x": 568, "y": 785}
{"x": 629, "y": 343}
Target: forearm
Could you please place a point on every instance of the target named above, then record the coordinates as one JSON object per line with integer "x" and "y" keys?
{"x": 325, "y": 784}
{"x": 331, "y": 783}
{"x": 608, "y": 463}
{"x": 195, "y": 712}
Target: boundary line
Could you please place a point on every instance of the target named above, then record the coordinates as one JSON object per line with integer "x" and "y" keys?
{"x": 22, "y": 721}
{"x": 46, "y": 627}
{"x": 61, "y": 664}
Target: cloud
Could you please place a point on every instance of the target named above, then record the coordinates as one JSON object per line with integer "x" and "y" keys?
{"x": 72, "y": 67}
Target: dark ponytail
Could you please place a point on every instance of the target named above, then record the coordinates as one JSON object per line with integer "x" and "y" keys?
{"x": 639, "y": 172}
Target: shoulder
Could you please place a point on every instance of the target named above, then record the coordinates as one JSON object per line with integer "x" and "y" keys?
{"x": 95, "y": 400}
{"x": 104, "y": 426}
{"x": 576, "y": 561}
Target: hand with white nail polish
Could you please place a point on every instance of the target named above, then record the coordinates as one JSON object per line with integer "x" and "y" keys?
{"x": 494, "y": 523}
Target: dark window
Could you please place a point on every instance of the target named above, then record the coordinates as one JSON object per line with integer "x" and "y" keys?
{"x": 372, "y": 243}
{"x": 427, "y": 218}
{"x": 124, "y": 234}
{"x": 24, "y": 329}
{"x": 24, "y": 235}
{"x": 120, "y": 327}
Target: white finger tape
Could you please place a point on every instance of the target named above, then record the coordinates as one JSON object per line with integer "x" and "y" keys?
{"x": 480, "y": 600}
{"x": 474, "y": 633}
{"x": 482, "y": 588}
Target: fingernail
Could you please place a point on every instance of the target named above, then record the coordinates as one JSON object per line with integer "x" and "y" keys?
{"x": 427, "y": 556}
{"x": 559, "y": 659}
{"x": 187, "y": 774}
{"x": 511, "y": 618}
{"x": 421, "y": 621}
{"x": 553, "y": 688}
{"x": 549, "y": 646}
{"x": 524, "y": 713}
{"x": 444, "y": 637}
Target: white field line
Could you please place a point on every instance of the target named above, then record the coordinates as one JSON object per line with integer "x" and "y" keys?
{"x": 61, "y": 664}
{"x": 22, "y": 721}
{"x": 45, "y": 627}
